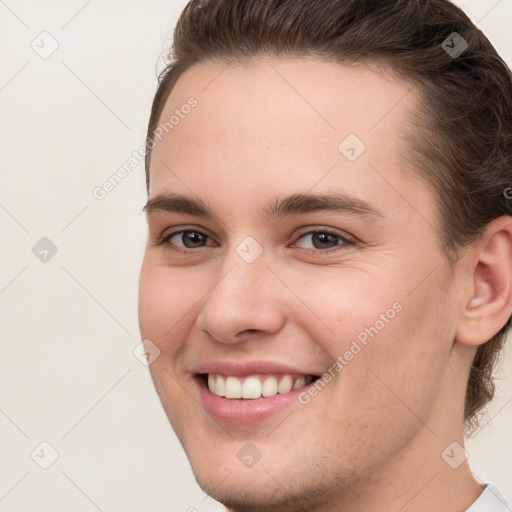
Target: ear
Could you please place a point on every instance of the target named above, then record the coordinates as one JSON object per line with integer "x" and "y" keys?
{"x": 489, "y": 304}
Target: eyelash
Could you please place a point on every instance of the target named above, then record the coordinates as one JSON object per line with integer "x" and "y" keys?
{"x": 344, "y": 242}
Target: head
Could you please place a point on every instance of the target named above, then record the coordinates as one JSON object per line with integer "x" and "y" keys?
{"x": 284, "y": 110}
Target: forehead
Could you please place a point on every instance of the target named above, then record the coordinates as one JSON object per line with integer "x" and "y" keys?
{"x": 288, "y": 122}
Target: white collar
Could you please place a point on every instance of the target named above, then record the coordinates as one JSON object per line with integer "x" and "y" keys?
{"x": 490, "y": 501}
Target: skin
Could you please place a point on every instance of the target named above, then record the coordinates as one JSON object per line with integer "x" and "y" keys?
{"x": 372, "y": 439}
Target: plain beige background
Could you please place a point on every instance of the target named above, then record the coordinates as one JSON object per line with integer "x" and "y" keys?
{"x": 68, "y": 374}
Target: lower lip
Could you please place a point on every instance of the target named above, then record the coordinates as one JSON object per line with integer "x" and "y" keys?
{"x": 245, "y": 411}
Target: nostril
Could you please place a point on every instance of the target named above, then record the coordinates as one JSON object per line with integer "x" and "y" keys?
{"x": 247, "y": 331}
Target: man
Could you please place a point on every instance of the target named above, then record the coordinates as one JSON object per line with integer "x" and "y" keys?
{"x": 327, "y": 277}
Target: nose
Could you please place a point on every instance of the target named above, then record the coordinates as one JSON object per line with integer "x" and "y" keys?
{"x": 245, "y": 302}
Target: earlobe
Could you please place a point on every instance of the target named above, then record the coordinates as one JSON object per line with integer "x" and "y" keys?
{"x": 475, "y": 302}
{"x": 490, "y": 305}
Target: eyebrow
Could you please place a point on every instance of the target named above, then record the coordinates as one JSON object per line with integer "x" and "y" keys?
{"x": 295, "y": 204}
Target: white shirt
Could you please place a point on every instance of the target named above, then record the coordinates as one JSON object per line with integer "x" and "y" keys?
{"x": 490, "y": 501}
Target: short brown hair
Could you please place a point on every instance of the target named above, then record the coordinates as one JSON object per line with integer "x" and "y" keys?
{"x": 462, "y": 143}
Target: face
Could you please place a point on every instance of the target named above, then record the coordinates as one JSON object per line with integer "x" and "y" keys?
{"x": 310, "y": 261}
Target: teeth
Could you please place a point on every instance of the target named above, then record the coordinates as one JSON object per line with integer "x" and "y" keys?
{"x": 251, "y": 388}
{"x": 286, "y": 384}
{"x": 211, "y": 382}
{"x": 254, "y": 386}
{"x": 269, "y": 387}
{"x": 220, "y": 386}
{"x": 233, "y": 388}
{"x": 216, "y": 385}
{"x": 300, "y": 382}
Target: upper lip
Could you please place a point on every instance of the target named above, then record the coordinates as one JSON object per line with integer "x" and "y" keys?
{"x": 247, "y": 368}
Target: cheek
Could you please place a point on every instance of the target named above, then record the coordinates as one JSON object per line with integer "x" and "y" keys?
{"x": 391, "y": 345}
{"x": 355, "y": 306}
{"x": 165, "y": 298}
{"x": 166, "y": 301}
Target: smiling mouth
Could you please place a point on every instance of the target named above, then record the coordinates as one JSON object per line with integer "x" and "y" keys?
{"x": 255, "y": 386}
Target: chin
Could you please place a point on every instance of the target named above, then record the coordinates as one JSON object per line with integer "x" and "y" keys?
{"x": 268, "y": 486}
{"x": 261, "y": 492}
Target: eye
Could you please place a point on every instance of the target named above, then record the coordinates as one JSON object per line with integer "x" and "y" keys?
{"x": 185, "y": 240}
{"x": 324, "y": 241}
